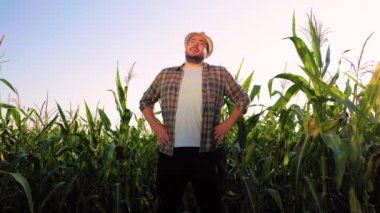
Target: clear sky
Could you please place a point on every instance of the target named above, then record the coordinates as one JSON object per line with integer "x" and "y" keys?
{"x": 70, "y": 49}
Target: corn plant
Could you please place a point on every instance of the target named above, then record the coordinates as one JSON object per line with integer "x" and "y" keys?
{"x": 325, "y": 141}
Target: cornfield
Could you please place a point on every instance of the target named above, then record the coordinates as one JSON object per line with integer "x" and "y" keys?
{"x": 322, "y": 156}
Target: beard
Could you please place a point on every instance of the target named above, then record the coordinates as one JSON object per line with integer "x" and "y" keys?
{"x": 194, "y": 59}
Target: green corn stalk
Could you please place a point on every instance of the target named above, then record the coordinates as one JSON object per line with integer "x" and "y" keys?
{"x": 120, "y": 97}
{"x": 117, "y": 198}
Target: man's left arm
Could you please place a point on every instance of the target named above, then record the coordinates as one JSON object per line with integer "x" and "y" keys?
{"x": 241, "y": 100}
{"x": 222, "y": 128}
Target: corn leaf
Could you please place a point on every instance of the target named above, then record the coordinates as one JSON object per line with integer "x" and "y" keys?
{"x": 298, "y": 80}
{"x": 306, "y": 57}
{"x": 52, "y": 192}
{"x": 247, "y": 82}
{"x": 248, "y": 154}
{"x": 276, "y": 197}
{"x": 15, "y": 113}
{"x": 255, "y": 92}
{"x": 354, "y": 202}
{"x": 108, "y": 157}
{"x": 239, "y": 69}
{"x": 25, "y": 185}
{"x": 9, "y": 85}
{"x": 6, "y": 106}
{"x": 63, "y": 117}
{"x": 315, "y": 43}
{"x": 120, "y": 92}
{"x": 327, "y": 61}
{"x": 105, "y": 120}
{"x": 47, "y": 127}
{"x": 310, "y": 184}
{"x": 340, "y": 150}
{"x": 294, "y": 24}
{"x": 301, "y": 153}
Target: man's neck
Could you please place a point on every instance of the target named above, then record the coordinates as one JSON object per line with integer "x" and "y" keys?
{"x": 193, "y": 65}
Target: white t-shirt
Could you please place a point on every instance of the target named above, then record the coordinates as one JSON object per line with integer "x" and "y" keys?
{"x": 188, "y": 120}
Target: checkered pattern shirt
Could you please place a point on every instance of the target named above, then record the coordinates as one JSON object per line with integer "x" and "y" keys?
{"x": 217, "y": 83}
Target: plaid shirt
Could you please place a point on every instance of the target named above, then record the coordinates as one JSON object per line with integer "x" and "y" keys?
{"x": 217, "y": 83}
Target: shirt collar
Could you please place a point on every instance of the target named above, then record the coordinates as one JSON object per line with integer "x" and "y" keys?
{"x": 205, "y": 65}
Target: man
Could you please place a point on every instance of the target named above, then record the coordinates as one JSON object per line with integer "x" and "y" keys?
{"x": 191, "y": 134}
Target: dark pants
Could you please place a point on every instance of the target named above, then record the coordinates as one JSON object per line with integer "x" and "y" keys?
{"x": 202, "y": 170}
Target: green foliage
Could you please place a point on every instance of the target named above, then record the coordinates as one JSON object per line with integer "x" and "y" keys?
{"x": 74, "y": 164}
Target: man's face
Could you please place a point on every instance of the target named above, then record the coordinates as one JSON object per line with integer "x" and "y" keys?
{"x": 196, "y": 49}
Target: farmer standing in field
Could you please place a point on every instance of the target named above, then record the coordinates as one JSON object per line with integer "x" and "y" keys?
{"x": 192, "y": 132}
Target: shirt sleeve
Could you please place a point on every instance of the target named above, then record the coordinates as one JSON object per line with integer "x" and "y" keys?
{"x": 151, "y": 95}
{"x": 236, "y": 93}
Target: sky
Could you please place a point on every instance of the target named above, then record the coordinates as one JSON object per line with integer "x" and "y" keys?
{"x": 69, "y": 51}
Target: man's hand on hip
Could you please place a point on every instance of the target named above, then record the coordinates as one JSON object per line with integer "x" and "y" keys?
{"x": 161, "y": 133}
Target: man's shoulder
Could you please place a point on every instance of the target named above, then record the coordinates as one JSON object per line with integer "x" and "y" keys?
{"x": 173, "y": 68}
{"x": 217, "y": 68}
{"x": 169, "y": 71}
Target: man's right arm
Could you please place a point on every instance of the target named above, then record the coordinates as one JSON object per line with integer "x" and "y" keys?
{"x": 150, "y": 97}
{"x": 158, "y": 128}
